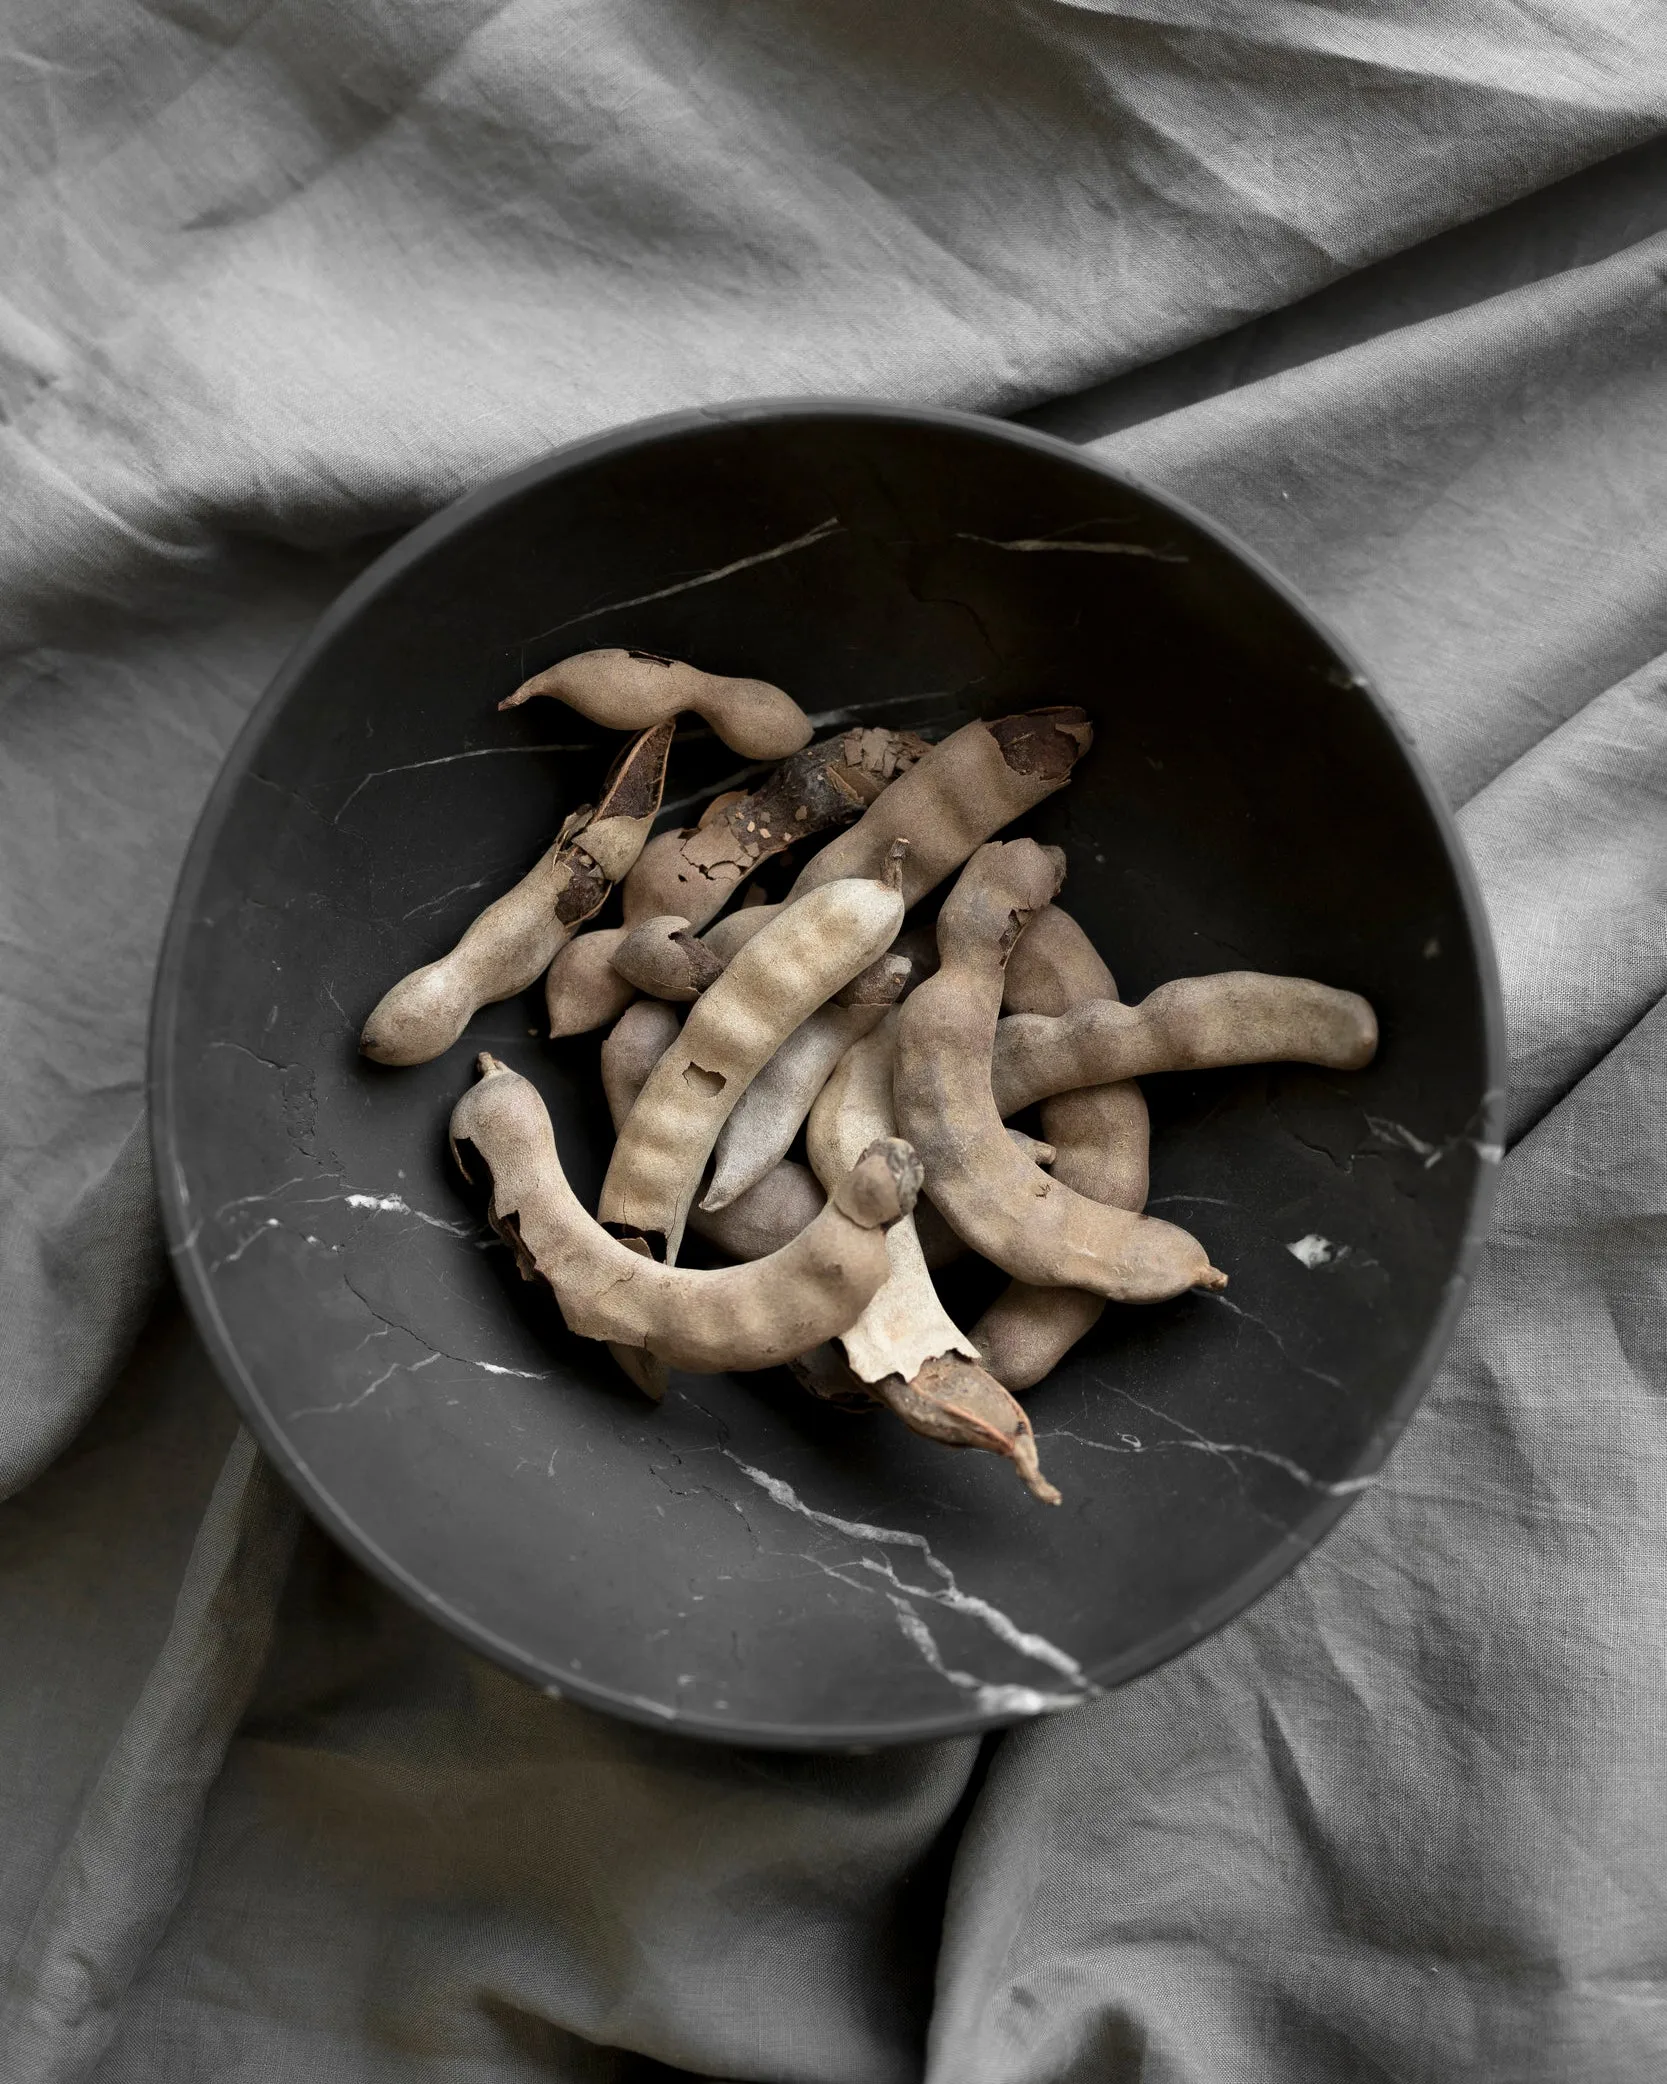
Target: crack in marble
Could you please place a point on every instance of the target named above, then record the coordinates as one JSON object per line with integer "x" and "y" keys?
{"x": 1060, "y": 543}
{"x": 1267, "y": 1331}
{"x": 264, "y": 1229}
{"x": 479, "y": 752}
{"x": 832, "y": 526}
{"x": 477, "y": 1234}
{"x": 1131, "y": 1443}
{"x": 866, "y": 712}
{"x": 430, "y": 904}
{"x": 398, "y": 1367}
{"x": 243, "y": 1049}
{"x": 946, "y": 1593}
{"x": 461, "y": 1360}
{"x": 991, "y": 1697}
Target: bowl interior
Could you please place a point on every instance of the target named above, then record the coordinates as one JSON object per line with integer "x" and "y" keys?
{"x": 741, "y": 1561}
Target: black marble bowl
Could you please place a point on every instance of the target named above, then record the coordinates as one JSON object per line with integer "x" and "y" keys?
{"x": 742, "y": 1562}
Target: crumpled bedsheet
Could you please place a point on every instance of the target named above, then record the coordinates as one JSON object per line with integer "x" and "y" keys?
{"x": 1383, "y": 287}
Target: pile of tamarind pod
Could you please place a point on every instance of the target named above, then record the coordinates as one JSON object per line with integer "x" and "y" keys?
{"x": 897, "y": 1055}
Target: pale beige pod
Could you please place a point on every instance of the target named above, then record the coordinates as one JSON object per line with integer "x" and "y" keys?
{"x": 1191, "y": 1024}
{"x": 772, "y": 1110}
{"x": 732, "y": 1031}
{"x": 769, "y": 1214}
{"x": 629, "y": 690}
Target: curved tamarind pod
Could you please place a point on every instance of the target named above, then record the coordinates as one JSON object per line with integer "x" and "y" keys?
{"x": 731, "y": 1033}
{"x": 696, "y": 872}
{"x": 1003, "y": 1206}
{"x": 742, "y": 1317}
{"x": 977, "y": 780}
{"x": 628, "y": 690}
{"x": 770, "y": 1213}
{"x": 1101, "y": 1138}
{"x": 662, "y": 957}
{"x": 905, "y": 1348}
{"x": 772, "y": 1110}
{"x": 510, "y": 942}
{"x": 1192, "y": 1024}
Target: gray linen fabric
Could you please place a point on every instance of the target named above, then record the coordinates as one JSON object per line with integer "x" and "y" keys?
{"x": 279, "y": 277}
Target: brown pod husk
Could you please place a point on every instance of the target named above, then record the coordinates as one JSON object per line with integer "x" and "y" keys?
{"x": 694, "y": 873}
{"x": 976, "y": 781}
{"x": 662, "y": 957}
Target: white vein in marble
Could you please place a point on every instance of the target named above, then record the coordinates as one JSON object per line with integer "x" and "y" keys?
{"x": 398, "y": 1367}
{"x": 1200, "y": 1443}
{"x": 478, "y": 752}
{"x": 1069, "y": 545}
{"x": 945, "y": 1593}
{"x": 819, "y": 534}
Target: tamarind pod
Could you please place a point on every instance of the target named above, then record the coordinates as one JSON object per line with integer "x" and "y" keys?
{"x": 582, "y": 989}
{"x": 662, "y": 957}
{"x": 635, "y": 1044}
{"x": 905, "y": 1348}
{"x": 761, "y": 1130}
{"x": 1005, "y": 1207}
{"x": 770, "y": 1213}
{"x": 963, "y": 1405}
{"x": 977, "y": 780}
{"x": 905, "y": 1325}
{"x": 730, "y": 1034}
{"x": 772, "y": 1109}
{"x": 742, "y": 1317}
{"x": 629, "y": 690}
{"x": 1191, "y": 1024}
{"x": 1101, "y": 1138}
{"x": 827, "y": 784}
{"x": 693, "y": 871}
{"x": 949, "y": 1401}
{"x": 514, "y": 938}
{"x": 971, "y": 784}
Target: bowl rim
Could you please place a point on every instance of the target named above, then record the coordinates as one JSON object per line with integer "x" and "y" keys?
{"x": 1304, "y": 1535}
